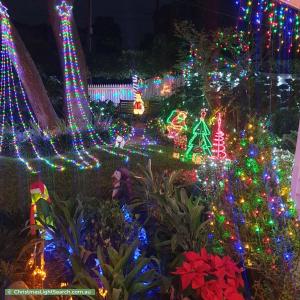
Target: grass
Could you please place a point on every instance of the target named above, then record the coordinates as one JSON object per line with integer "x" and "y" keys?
{"x": 15, "y": 178}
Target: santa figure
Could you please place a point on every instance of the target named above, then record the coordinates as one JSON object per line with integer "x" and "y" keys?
{"x": 176, "y": 124}
{"x": 138, "y": 105}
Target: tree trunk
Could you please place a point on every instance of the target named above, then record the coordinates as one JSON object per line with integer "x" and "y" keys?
{"x": 33, "y": 85}
{"x": 55, "y": 23}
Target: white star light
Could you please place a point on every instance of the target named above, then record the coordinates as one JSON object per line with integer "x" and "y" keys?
{"x": 64, "y": 10}
{"x": 3, "y": 10}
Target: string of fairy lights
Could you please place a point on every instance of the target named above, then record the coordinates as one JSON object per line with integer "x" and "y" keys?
{"x": 279, "y": 19}
{"x": 74, "y": 93}
{"x": 254, "y": 214}
{"x": 76, "y": 96}
{"x": 17, "y": 117}
{"x": 12, "y": 98}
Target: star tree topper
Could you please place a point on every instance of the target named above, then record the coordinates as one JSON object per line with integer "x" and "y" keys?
{"x": 64, "y": 10}
{"x": 203, "y": 113}
{"x": 3, "y": 10}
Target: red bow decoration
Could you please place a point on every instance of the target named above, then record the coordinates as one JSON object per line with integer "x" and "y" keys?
{"x": 211, "y": 276}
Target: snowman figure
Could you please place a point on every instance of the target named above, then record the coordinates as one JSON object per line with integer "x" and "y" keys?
{"x": 120, "y": 142}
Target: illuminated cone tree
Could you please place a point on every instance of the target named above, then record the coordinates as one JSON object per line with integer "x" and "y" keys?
{"x": 219, "y": 148}
{"x": 16, "y": 116}
{"x": 78, "y": 109}
{"x": 79, "y": 112}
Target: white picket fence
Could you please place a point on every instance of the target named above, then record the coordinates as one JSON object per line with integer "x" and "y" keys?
{"x": 111, "y": 92}
{"x": 150, "y": 88}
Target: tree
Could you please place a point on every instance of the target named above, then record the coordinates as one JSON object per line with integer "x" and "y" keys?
{"x": 33, "y": 85}
{"x": 254, "y": 218}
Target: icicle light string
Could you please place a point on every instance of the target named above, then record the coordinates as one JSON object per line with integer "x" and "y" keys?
{"x": 280, "y": 20}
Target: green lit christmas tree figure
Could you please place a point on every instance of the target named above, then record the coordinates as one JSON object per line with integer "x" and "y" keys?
{"x": 199, "y": 144}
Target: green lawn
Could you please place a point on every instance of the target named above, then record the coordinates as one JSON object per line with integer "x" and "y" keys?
{"x": 15, "y": 179}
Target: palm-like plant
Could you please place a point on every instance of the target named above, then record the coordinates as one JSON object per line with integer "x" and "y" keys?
{"x": 69, "y": 233}
{"x": 180, "y": 218}
{"x": 124, "y": 278}
{"x": 68, "y": 225}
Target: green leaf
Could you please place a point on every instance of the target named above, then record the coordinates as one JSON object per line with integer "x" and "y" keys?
{"x": 123, "y": 261}
{"x": 116, "y": 294}
{"x": 174, "y": 243}
{"x": 113, "y": 256}
{"x": 137, "y": 268}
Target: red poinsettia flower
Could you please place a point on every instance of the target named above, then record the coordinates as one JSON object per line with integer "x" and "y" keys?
{"x": 191, "y": 274}
{"x": 211, "y": 276}
{"x": 232, "y": 294}
{"x": 211, "y": 291}
{"x": 192, "y": 256}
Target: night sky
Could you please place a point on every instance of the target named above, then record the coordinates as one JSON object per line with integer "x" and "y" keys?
{"x": 134, "y": 16}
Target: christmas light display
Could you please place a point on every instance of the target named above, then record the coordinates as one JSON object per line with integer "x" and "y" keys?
{"x": 120, "y": 142}
{"x": 219, "y": 148}
{"x": 166, "y": 90}
{"x": 189, "y": 66}
{"x": 36, "y": 264}
{"x": 176, "y": 129}
{"x": 176, "y": 124}
{"x": 199, "y": 145}
{"x": 254, "y": 216}
{"x": 78, "y": 108}
{"x": 189, "y": 87}
{"x": 180, "y": 142}
{"x": 39, "y": 193}
{"x": 233, "y": 62}
{"x": 212, "y": 176}
{"x": 280, "y": 17}
{"x": 75, "y": 92}
{"x": 135, "y": 84}
{"x": 180, "y": 145}
{"x": 110, "y": 92}
{"x": 120, "y": 127}
{"x": 295, "y": 185}
{"x": 16, "y": 114}
{"x": 194, "y": 81}
{"x": 138, "y": 105}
